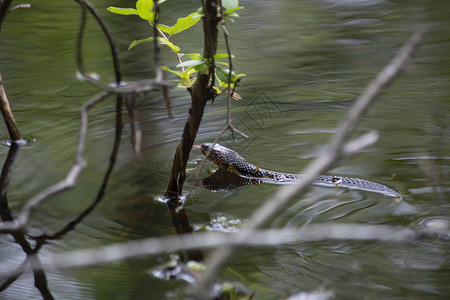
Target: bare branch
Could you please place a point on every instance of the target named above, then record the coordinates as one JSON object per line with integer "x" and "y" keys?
{"x": 66, "y": 183}
{"x": 270, "y": 237}
{"x": 136, "y": 133}
{"x": 356, "y": 145}
{"x": 114, "y": 52}
{"x": 101, "y": 193}
{"x": 8, "y": 116}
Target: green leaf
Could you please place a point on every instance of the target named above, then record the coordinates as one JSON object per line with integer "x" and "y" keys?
{"x": 184, "y": 23}
{"x": 222, "y": 63}
{"x": 137, "y": 42}
{"x": 197, "y": 68}
{"x": 164, "y": 28}
{"x": 161, "y": 40}
{"x": 222, "y": 74}
{"x": 122, "y": 11}
{"x": 221, "y": 55}
{"x": 201, "y": 67}
{"x": 194, "y": 55}
{"x": 229, "y": 4}
{"x": 186, "y": 80}
{"x": 191, "y": 71}
{"x": 218, "y": 91}
{"x": 145, "y": 9}
{"x": 171, "y": 71}
{"x": 191, "y": 63}
{"x": 229, "y": 11}
{"x": 199, "y": 13}
{"x": 168, "y": 43}
{"x": 232, "y": 15}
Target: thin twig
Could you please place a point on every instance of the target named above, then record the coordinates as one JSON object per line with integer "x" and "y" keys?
{"x": 136, "y": 133}
{"x": 176, "y": 54}
{"x": 8, "y": 116}
{"x": 101, "y": 193}
{"x": 333, "y": 152}
{"x": 230, "y": 61}
{"x": 108, "y": 35}
{"x": 229, "y": 125}
{"x": 137, "y": 87}
{"x": 66, "y": 183}
{"x": 157, "y": 60}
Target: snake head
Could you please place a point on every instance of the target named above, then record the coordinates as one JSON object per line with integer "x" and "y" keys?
{"x": 216, "y": 153}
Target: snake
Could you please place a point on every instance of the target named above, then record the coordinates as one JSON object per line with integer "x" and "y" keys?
{"x": 231, "y": 161}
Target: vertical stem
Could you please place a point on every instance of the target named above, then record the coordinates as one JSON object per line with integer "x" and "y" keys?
{"x": 10, "y": 122}
{"x": 4, "y": 5}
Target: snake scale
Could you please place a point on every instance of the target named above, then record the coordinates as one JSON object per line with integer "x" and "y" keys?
{"x": 231, "y": 161}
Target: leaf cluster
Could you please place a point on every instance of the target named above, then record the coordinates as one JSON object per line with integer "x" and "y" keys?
{"x": 198, "y": 63}
{"x": 145, "y": 9}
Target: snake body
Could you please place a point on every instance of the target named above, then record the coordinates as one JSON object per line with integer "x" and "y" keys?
{"x": 231, "y": 161}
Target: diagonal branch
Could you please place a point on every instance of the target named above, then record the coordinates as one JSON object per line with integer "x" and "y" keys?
{"x": 8, "y": 116}
{"x": 332, "y": 153}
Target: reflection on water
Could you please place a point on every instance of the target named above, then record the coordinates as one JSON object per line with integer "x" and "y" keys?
{"x": 311, "y": 58}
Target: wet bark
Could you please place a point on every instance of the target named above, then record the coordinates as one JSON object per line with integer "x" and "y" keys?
{"x": 4, "y": 5}
{"x": 8, "y": 115}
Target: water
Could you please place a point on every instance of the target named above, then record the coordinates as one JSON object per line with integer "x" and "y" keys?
{"x": 308, "y": 60}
